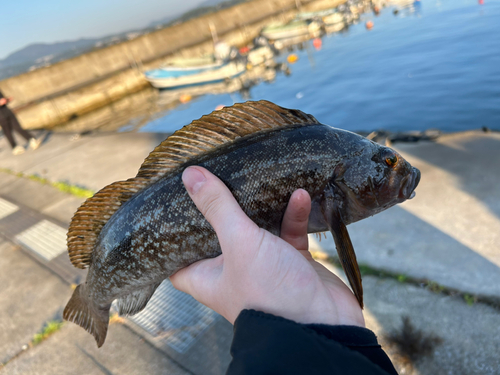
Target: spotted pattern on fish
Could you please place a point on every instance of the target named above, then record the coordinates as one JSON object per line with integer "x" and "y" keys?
{"x": 158, "y": 230}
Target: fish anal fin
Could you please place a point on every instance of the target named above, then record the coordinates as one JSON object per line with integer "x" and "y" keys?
{"x": 81, "y": 311}
{"x": 136, "y": 301}
{"x": 92, "y": 215}
{"x": 217, "y": 129}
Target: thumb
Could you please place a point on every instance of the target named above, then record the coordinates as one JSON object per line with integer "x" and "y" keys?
{"x": 217, "y": 204}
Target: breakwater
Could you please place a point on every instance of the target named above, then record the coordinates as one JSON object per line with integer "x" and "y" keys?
{"x": 51, "y": 95}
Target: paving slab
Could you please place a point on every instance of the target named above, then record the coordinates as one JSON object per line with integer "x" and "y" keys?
{"x": 6, "y": 179}
{"x": 31, "y": 193}
{"x": 64, "y": 209}
{"x": 101, "y": 160}
{"x": 91, "y": 161}
{"x": 470, "y": 334}
{"x": 209, "y": 354}
{"x": 204, "y": 350}
{"x": 53, "y": 146}
{"x": 30, "y": 296}
{"x": 72, "y": 351}
{"x": 450, "y": 232}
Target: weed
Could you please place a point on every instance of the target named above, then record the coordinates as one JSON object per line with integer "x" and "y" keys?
{"x": 65, "y": 187}
{"x": 423, "y": 283}
{"x": 73, "y": 189}
{"x": 402, "y": 278}
{"x": 50, "y": 328}
{"x": 435, "y": 287}
{"x": 469, "y": 300}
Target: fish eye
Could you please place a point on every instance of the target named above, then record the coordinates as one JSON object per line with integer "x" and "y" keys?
{"x": 391, "y": 160}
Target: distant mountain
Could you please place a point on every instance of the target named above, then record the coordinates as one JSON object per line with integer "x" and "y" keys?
{"x": 41, "y": 50}
{"x": 42, "y": 54}
{"x": 38, "y": 55}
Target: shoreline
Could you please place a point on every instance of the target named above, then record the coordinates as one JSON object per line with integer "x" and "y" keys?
{"x": 52, "y": 95}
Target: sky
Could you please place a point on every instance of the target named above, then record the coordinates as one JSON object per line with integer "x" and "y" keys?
{"x": 32, "y": 21}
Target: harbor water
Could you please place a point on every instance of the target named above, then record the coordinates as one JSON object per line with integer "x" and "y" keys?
{"x": 433, "y": 64}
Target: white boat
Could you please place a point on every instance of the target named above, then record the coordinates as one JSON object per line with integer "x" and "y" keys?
{"x": 334, "y": 22}
{"x": 332, "y": 19}
{"x": 260, "y": 55}
{"x": 292, "y": 29}
{"x": 163, "y": 79}
{"x": 186, "y": 66}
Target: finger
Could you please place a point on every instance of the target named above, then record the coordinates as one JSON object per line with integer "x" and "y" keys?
{"x": 217, "y": 204}
{"x": 199, "y": 279}
{"x": 294, "y": 225}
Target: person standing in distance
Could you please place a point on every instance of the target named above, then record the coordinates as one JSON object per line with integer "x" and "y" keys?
{"x": 9, "y": 124}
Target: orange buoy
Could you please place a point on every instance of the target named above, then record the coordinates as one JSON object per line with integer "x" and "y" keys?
{"x": 292, "y": 58}
{"x": 369, "y": 25}
{"x": 317, "y": 43}
{"x": 184, "y": 98}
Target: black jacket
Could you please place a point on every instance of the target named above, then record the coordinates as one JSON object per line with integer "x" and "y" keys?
{"x": 268, "y": 344}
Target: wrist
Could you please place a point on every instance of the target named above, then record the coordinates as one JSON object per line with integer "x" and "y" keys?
{"x": 328, "y": 315}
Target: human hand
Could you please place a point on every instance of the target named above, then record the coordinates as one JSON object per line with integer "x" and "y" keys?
{"x": 3, "y": 101}
{"x": 258, "y": 270}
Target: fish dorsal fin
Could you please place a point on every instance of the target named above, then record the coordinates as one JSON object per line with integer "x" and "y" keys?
{"x": 209, "y": 132}
{"x": 92, "y": 215}
{"x": 216, "y": 129}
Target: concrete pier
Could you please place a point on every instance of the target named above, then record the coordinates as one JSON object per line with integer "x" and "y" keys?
{"x": 67, "y": 89}
{"x": 448, "y": 235}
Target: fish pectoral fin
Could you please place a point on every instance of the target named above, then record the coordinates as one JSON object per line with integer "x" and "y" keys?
{"x": 136, "y": 301}
{"x": 82, "y": 311}
{"x": 348, "y": 259}
{"x": 343, "y": 243}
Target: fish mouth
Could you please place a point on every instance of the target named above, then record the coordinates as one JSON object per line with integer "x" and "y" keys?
{"x": 410, "y": 183}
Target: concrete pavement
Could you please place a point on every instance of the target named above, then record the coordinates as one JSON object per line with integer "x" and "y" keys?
{"x": 448, "y": 234}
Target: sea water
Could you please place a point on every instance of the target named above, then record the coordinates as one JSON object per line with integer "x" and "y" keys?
{"x": 435, "y": 65}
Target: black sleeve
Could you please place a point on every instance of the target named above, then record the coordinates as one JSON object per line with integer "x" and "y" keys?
{"x": 268, "y": 344}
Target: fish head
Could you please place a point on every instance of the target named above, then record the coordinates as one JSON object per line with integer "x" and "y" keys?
{"x": 374, "y": 179}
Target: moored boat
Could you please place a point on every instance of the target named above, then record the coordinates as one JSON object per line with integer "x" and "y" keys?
{"x": 292, "y": 29}
{"x": 160, "y": 78}
{"x": 332, "y": 20}
{"x": 186, "y": 66}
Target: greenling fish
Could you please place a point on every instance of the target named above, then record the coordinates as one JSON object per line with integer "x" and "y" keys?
{"x": 134, "y": 234}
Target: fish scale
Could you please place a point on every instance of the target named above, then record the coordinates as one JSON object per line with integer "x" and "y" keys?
{"x": 263, "y": 153}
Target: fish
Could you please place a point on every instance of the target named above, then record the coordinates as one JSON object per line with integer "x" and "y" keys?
{"x": 133, "y": 234}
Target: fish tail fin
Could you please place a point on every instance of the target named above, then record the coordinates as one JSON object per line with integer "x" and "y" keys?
{"x": 86, "y": 314}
